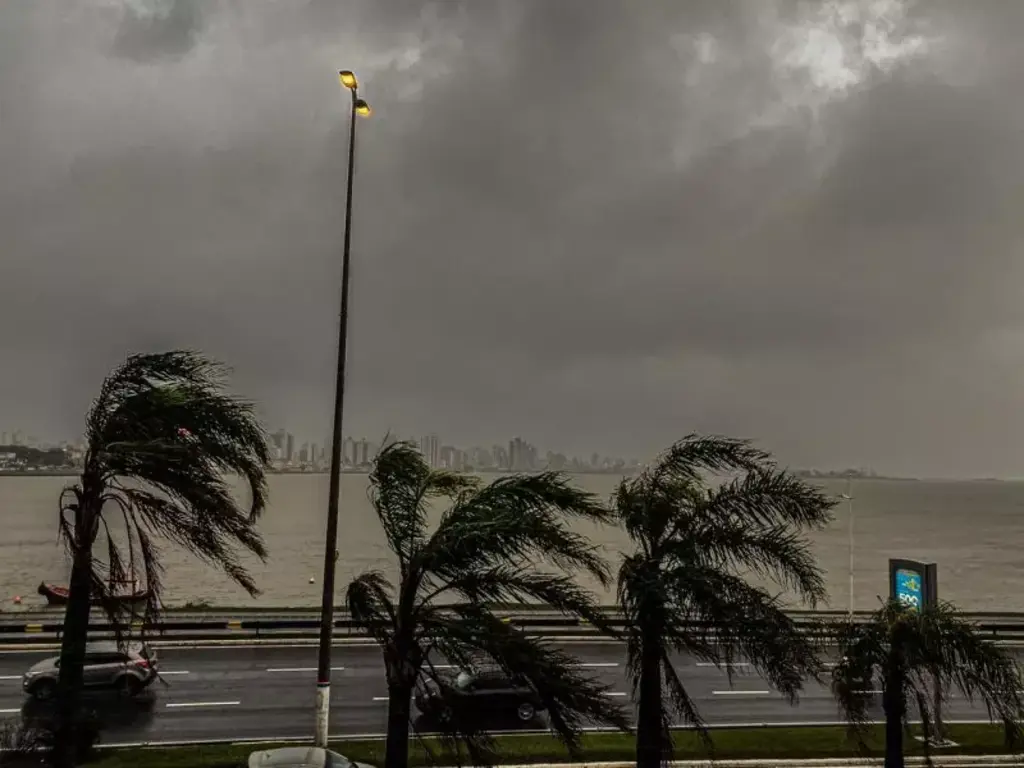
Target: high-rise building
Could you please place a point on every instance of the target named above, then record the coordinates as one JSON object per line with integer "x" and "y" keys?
{"x": 361, "y": 453}
{"x": 277, "y": 441}
{"x": 430, "y": 447}
{"x": 453, "y": 458}
{"x": 348, "y": 452}
{"x": 522, "y": 455}
{"x": 481, "y": 458}
{"x": 501, "y": 457}
{"x": 304, "y": 454}
{"x": 289, "y": 447}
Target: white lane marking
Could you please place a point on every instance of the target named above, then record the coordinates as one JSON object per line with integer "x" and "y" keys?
{"x": 740, "y": 693}
{"x": 380, "y": 698}
{"x": 616, "y": 693}
{"x": 866, "y": 692}
{"x": 204, "y": 704}
{"x": 599, "y": 664}
{"x": 10, "y": 677}
{"x": 173, "y": 672}
{"x": 300, "y": 669}
{"x": 723, "y": 664}
{"x": 9, "y": 711}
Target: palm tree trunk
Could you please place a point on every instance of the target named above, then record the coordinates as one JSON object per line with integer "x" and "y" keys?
{"x": 72, "y": 648}
{"x": 893, "y": 704}
{"x": 938, "y": 734}
{"x": 396, "y": 751}
{"x": 649, "y": 748}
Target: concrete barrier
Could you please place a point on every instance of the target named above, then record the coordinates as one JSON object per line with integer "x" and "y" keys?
{"x": 171, "y": 627}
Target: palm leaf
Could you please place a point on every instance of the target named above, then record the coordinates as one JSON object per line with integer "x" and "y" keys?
{"x": 162, "y": 435}
{"x": 684, "y": 587}
{"x": 488, "y": 548}
{"x": 915, "y": 646}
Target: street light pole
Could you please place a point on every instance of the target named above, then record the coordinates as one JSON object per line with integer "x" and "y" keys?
{"x": 323, "y": 678}
{"x": 848, "y": 497}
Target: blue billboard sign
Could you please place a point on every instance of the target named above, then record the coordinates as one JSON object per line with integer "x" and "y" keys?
{"x": 909, "y": 589}
{"x": 913, "y": 583}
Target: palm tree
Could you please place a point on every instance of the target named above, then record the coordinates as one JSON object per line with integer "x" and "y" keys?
{"x": 161, "y": 436}
{"x": 900, "y": 649}
{"x": 683, "y": 590}
{"x": 484, "y": 550}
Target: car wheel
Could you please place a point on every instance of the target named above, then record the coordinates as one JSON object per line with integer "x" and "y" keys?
{"x": 44, "y": 690}
{"x": 526, "y": 712}
{"x": 128, "y": 686}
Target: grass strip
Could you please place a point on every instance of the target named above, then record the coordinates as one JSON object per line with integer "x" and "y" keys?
{"x": 750, "y": 743}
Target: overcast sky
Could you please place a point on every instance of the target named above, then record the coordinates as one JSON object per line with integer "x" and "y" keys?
{"x": 599, "y": 225}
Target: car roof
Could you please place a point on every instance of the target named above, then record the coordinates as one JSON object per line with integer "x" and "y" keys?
{"x": 289, "y": 757}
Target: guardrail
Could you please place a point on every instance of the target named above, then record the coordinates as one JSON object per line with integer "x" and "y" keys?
{"x": 48, "y": 630}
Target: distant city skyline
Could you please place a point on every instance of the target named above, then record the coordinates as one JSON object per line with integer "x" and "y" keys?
{"x": 288, "y": 452}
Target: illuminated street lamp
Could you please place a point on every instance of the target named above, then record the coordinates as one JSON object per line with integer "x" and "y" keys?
{"x": 323, "y": 678}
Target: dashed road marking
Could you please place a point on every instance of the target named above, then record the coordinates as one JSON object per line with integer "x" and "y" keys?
{"x": 300, "y": 669}
{"x": 599, "y": 664}
{"x": 164, "y": 673}
{"x": 9, "y": 711}
{"x": 616, "y": 693}
{"x": 183, "y": 704}
{"x": 10, "y": 677}
{"x": 380, "y": 698}
{"x": 740, "y": 693}
{"x": 723, "y": 664}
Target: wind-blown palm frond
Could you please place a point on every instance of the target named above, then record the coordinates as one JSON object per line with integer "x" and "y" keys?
{"x": 686, "y": 459}
{"x": 401, "y": 489}
{"x": 903, "y": 649}
{"x": 487, "y": 549}
{"x": 682, "y": 590}
{"x": 162, "y": 436}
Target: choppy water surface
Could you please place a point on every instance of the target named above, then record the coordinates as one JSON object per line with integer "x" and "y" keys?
{"x": 973, "y": 530}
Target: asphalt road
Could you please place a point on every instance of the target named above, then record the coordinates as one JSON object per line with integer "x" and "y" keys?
{"x": 231, "y": 692}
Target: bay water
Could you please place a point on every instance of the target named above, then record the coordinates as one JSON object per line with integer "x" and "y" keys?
{"x": 973, "y": 530}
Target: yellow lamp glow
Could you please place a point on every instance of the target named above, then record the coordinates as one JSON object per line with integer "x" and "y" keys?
{"x": 348, "y": 79}
{"x": 363, "y": 109}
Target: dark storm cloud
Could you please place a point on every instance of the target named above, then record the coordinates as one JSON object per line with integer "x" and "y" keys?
{"x": 596, "y": 224}
{"x": 152, "y": 29}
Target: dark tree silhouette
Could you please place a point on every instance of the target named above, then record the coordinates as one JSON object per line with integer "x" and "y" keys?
{"x": 161, "y": 437}
{"x": 684, "y": 588}
{"x": 901, "y": 650}
{"x": 488, "y": 548}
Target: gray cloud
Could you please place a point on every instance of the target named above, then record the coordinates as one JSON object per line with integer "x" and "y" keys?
{"x": 595, "y": 225}
{"x": 153, "y": 29}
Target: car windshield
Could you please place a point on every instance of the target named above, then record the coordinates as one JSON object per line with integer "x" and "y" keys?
{"x": 463, "y": 681}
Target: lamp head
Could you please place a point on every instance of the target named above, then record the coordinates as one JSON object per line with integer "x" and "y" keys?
{"x": 362, "y": 108}
{"x": 348, "y": 79}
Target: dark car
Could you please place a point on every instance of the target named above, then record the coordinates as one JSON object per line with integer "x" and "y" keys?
{"x": 129, "y": 670}
{"x": 480, "y": 694}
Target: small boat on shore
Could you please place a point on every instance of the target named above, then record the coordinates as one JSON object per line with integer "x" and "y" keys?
{"x": 57, "y": 595}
